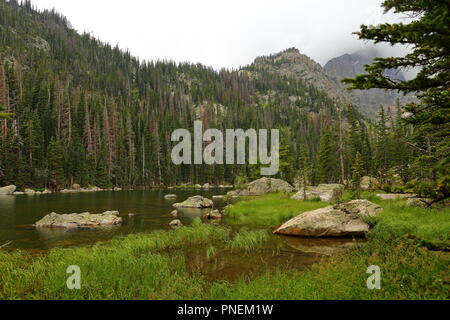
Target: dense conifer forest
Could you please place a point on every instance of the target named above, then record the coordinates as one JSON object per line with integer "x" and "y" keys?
{"x": 88, "y": 113}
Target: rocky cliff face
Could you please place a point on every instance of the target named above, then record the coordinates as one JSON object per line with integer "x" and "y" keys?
{"x": 292, "y": 63}
{"x": 370, "y": 101}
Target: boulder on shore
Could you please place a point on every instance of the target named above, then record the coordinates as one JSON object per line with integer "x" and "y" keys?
{"x": 218, "y": 197}
{"x": 206, "y": 186}
{"x": 79, "y": 220}
{"x": 29, "y": 191}
{"x": 8, "y": 189}
{"x": 341, "y": 220}
{"x": 395, "y": 196}
{"x": 263, "y": 186}
{"x": 326, "y": 192}
{"x": 368, "y": 183}
{"x": 76, "y": 186}
{"x": 195, "y": 202}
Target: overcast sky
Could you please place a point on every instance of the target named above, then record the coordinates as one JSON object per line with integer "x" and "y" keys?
{"x": 225, "y": 33}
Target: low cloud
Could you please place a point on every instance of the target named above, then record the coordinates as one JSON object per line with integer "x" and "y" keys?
{"x": 227, "y": 33}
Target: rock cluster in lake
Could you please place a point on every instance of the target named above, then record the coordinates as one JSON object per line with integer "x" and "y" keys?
{"x": 195, "y": 202}
{"x": 79, "y": 220}
{"x": 345, "y": 219}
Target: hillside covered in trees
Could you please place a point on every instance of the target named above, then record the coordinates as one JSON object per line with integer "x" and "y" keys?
{"x": 85, "y": 112}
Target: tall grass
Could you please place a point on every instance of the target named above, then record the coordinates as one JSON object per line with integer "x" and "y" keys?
{"x": 134, "y": 267}
{"x": 248, "y": 240}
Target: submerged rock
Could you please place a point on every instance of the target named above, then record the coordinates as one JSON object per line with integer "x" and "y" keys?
{"x": 174, "y": 213}
{"x": 79, "y": 220}
{"x": 326, "y": 192}
{"x": 176, "y": 224}
{"x": 263, "y": 186}
{"x": 195, "y": 202}
{"x": 341, "y": 220}
{"x": 8, "y": 189}
{"x": 170, "y": 196}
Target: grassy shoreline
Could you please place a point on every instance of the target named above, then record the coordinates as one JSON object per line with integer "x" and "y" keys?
{"x": 152, "y": 266}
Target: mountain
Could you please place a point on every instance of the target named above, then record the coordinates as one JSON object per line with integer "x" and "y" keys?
{"x": 369, "y": 101}
{"x": 291, "y": 63}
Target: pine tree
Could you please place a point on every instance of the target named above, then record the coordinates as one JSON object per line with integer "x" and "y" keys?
{"x": 55, "y": 164}
{"x": 428, "y": 36}
{"x": 326, "y": 170}
{"x": 357, "y": 172}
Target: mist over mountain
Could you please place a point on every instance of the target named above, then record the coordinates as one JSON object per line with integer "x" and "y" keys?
{"x": 369, "y": 101}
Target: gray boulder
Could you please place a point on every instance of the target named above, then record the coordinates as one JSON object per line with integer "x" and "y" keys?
{"x": 176, "y": 224}
{"x": 8, "y": 189}
{"x": 29, "y": 191}
{"x": 395, "y": 196}
{"x": 195, "y": 202}
{"x": 213, "y": 215}
{"x": 427, "y": 203}
{"x": 341, "y": 220}
{"x": 326, "y": 192}
{"x": 79, "y": 220}
{"x": 170, "y": 196}
{"x": 368, "y": 183}
{"x": 264, "y": 186}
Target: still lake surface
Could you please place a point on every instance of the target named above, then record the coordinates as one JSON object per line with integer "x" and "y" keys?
{"x": 151, "y": 211}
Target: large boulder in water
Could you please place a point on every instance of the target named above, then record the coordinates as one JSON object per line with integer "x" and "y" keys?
{"x": 79, "y": 220}
{"x": 265, "y": 185}
{"x": 326, "y": 192}
{"x": 8, "y": 189}
{"x": 195, "y": 202}
{"x": 341, "y": 220}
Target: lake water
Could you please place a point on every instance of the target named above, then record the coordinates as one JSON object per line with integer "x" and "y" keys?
{"x": 152, "y": 211}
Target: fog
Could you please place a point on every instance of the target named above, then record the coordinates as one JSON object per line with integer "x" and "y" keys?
{"x": 225, "y": 33}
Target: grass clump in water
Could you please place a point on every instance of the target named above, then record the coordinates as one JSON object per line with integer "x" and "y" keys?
{"x": 248, "y": 240}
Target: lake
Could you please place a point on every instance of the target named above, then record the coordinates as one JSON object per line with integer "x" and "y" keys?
{"x": 152, "y": 211}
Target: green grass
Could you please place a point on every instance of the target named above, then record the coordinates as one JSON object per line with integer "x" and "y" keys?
{"x": 430, "y": 226}
{"x": 134, "y": 267}
{"x": 153, "y": 266}
{"x": 248, "y": 240}
{"x": 407, "y": 272}
{"x": 269, "y": 210}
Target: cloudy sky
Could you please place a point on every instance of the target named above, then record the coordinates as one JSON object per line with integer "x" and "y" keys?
{"x": 225, "y": 33}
